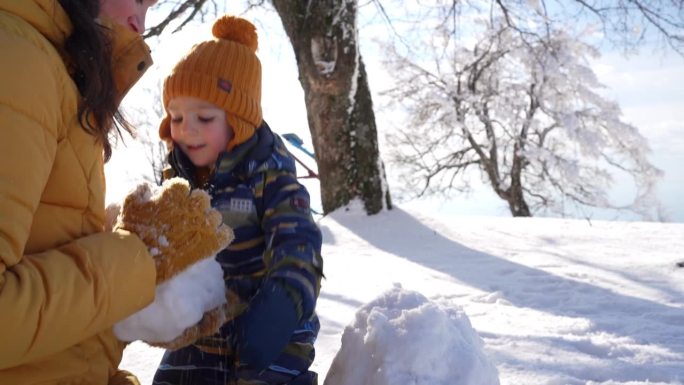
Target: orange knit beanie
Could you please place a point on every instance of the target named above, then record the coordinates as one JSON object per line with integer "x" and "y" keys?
{"x": 225, "y": 72}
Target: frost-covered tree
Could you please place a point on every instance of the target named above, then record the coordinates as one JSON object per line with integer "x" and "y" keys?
{"x": 145, "y": 118}
{"x": 626, "y": 23}
{"x": 527, "y": 116}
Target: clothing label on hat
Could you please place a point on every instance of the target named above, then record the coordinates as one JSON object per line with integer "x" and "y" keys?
{"x": 225, "y": 85}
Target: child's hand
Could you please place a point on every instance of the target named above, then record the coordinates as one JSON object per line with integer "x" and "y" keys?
{"x": 265, "y": 329}
{"x": 183, "y": 234}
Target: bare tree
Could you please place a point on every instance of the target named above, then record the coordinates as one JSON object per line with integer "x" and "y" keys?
{"x": 186, "y": 11}
{"x": 624, "y": 23}
{"x": 145, "y": 118}
{"x": 526, "y": 115}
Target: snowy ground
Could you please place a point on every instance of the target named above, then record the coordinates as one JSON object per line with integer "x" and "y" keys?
{"x": 554, "y": 301}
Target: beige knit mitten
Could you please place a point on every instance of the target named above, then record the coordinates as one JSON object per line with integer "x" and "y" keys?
{"x": 183, "y": 234}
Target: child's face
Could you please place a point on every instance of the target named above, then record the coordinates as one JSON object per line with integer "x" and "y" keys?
{"x": 199, "y": 128}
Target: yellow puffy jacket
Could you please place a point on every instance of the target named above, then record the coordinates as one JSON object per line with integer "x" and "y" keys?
{"x": 63, "y": 281}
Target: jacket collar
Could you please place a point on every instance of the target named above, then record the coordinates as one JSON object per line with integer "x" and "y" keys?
{"x": 130, "y": 55}
{"x": 263, "y": 151}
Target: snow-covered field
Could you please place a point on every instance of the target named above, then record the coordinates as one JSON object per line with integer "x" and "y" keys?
{"x": 553, "y": 301}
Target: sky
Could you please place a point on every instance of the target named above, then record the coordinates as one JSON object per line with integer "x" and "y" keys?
{"x": 417, "y": 297}
{"x": 647, "y": 87}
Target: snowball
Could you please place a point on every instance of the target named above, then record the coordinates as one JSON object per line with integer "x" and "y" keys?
{"x": 178, "y": 304}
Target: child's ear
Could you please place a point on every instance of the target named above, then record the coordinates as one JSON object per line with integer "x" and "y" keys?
{"x": 165, "y": 131}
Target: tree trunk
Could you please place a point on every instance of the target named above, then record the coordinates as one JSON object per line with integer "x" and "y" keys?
{"x": 514, "y": 196}
{"x": 338, "y": 101}
{"x": 517, "y": 204}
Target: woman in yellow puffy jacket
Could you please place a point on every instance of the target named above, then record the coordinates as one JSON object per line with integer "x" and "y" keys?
{"x": 64, "y": 67}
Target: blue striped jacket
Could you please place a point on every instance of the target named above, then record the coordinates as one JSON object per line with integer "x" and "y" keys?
{"x": 255, "y": 188}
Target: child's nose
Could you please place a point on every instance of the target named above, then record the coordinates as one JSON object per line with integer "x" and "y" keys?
{"x": 188, "y": 127}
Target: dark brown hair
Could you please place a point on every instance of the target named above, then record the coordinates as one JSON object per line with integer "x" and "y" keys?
{"x": 90, "y": 55}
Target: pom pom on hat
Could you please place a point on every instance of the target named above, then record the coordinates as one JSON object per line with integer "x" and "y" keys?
{"x": 236, "y": 29}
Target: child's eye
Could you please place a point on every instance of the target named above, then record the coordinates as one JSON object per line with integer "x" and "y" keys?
{"x": 206, "y": 120}
{"x": 176, "y": 120}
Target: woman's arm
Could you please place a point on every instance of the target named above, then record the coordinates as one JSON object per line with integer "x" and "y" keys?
{"x": 53, "y": 299}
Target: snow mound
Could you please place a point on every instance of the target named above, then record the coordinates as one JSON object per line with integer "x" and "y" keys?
{"x": 402, "y": 338}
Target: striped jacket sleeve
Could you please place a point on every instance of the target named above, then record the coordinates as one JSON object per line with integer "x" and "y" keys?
{"x": 293, "y": 249}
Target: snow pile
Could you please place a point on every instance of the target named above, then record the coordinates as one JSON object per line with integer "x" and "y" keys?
{"x": 403, "y": 338}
